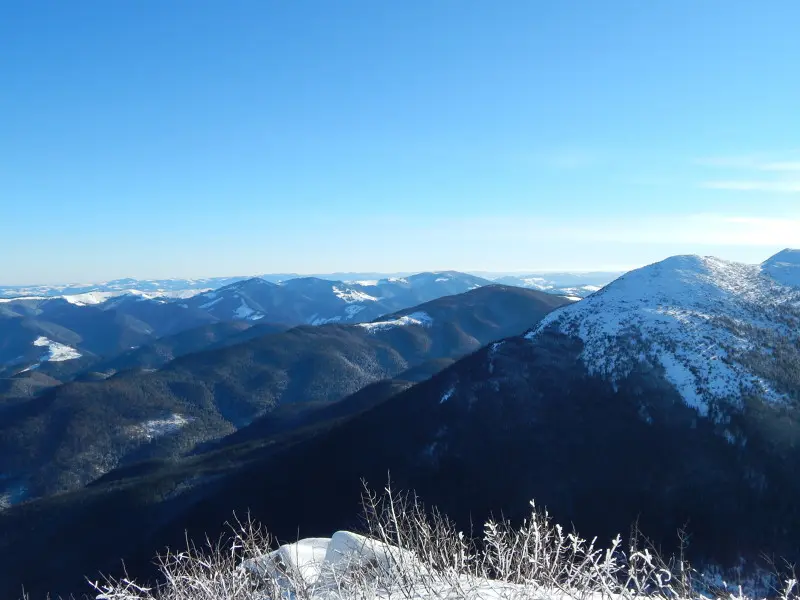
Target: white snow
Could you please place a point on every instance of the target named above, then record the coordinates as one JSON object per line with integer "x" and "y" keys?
{"x": 56, "y": 352}
{"x": 315, "y": 320}
{"x": 179, "y": 294}
{"x": 352, "y": 310}
{"x": 447, "y": 395}
{"x": 97, "y": 297}
{"x": 416, "y": 318}
{"x": 155, "y": 428}
{"x": 23, "y": 299}
{"x": 326, "y": 568}
{"x": 573, "y": 298}
{"x": 692, "y": 316}
{"x": 365, "y": 282}
{"x": 320, "y": 565}
{"x": 537, "y": 283}
{"x": 304, "y": 558}
{"x": 245, "y": 311}
{"x": 349, "y": 295}
{"x": 441, "y": 279}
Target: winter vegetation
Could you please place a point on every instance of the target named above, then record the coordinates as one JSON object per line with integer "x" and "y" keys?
{"x": 409, "y": 552}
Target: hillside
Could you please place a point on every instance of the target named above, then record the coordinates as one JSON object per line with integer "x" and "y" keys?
{"x": 77, "y": 432}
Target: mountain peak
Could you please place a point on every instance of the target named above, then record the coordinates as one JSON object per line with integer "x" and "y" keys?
{"x": 787, "y": 255}
{"x": 784, "y": 267}
{"x": 704, "y": 321}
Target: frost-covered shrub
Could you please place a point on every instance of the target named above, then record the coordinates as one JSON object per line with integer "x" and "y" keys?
{"x": 412, "y": 553}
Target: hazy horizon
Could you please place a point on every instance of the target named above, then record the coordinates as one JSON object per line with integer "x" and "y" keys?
{"x": 371, "y": 274}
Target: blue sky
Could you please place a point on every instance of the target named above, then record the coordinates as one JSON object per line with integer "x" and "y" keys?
{"x": 185, "y": 138}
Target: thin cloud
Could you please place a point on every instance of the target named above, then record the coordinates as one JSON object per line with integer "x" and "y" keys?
{"x": 791, "y": 166}
{"x": 750, "y": 163}
{"x": 780, "y": 187}
{"x": 772, "y": 176}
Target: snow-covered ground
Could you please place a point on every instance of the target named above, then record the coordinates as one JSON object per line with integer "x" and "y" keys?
{"x": 156, "y": 428}
{"x": 95, "y": 298}
{"x": 351, "y": 566}
{"x": 55, "y": 352}
{"x": 694, "y": 316}
{"x": 415, "y": 318}
{"x": 349, "y": 295}
{"x": 244, "y": 311}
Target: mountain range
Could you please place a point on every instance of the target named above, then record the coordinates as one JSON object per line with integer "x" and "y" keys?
{"x": 64, "y": 336}
{"x": 176, "y": 288}
{"x": 669, "y": 398}
{"x": 75, "y": 433}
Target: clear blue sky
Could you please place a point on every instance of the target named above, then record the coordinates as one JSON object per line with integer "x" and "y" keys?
{"x": 159, "y": 138}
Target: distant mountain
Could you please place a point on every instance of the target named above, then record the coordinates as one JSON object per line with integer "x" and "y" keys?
{"x": 163, "y": 287}
{"x": 314, "y": 301}
{"x": 76, "y": 432}
{"x": 66, "y": 335}
{"x": 670, "y": 398}
{"x": 577, "y": 285}
{"x": 349, "y": 276}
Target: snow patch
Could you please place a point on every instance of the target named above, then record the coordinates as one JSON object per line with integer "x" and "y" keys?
{"x": 352, "y": 310}
{"x": 320, "y": 569}
{"x": 447, "y": 395}
{"x": 314, "y": 320}
{"x": 365, "y": 282}
{"x": 416, "y": 318}
{"x": 155, "y": 428}
{"x": 246, "y": 312}
{"x": 89, "y": 298}
{"x": 349, "y": 295}
{"x": 56, "y": 352}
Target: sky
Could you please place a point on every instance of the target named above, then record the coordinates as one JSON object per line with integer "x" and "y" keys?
{"x": 188, "y": 138}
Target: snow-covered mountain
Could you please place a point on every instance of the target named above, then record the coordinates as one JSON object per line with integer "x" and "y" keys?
{"x": 712, "y": 326}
